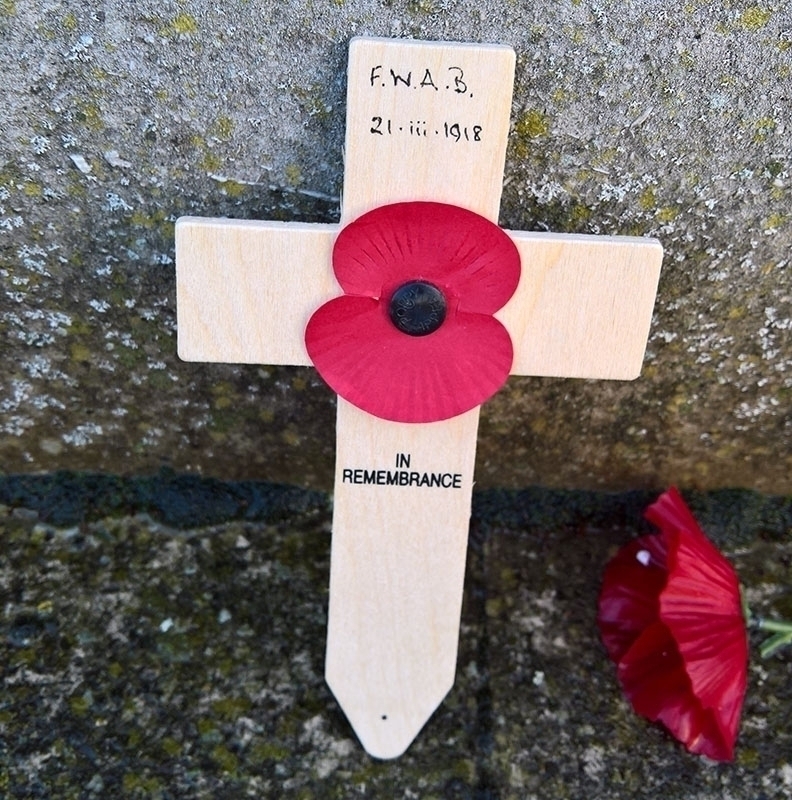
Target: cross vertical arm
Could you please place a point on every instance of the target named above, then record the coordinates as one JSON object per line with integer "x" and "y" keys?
{"x": 428, "y": 121}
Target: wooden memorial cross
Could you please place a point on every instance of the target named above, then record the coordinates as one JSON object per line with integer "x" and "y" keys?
{"x": 426, "y": 121}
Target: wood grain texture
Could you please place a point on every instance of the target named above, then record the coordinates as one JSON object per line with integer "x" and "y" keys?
{"x": 398, "y": 555}
{"x": 583, "y": 306}
{"x": 247, "y": 289}
{"x": 396, "y": 575}
{"x": 395, "y": 166}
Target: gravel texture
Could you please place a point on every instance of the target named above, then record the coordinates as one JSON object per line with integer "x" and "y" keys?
{"x": 144, "y": 660}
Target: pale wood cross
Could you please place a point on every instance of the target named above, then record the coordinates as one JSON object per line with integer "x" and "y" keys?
{"x": 425, "y": 121}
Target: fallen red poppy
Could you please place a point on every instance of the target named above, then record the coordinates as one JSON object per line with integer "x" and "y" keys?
{"x": 671, "y": 618}
{"x": 413, "y": 338}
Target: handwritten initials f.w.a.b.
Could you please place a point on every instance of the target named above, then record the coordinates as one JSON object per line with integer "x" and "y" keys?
{"x": 451, "y": 78}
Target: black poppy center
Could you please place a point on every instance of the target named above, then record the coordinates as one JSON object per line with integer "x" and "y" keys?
{"x": 417, "y": 308}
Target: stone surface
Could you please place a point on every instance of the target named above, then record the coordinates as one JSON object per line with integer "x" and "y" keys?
{"x": 141, "y": 660}
{"x": 628, "y": 118}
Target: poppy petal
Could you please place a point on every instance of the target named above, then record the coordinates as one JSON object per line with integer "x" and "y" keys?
{"x": 702, "y": 608}
{"x": 654, "y": 679}
{"x": 631, "y": 585}
{"x": 464, "y": 254}
{"x": 365, "y": 359}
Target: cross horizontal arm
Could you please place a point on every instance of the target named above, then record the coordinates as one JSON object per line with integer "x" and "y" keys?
{"x": 247, "y": 289}
{"x": 583, "y": 306}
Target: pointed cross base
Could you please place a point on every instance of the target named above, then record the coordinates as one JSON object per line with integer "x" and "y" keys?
{"x": 425, "y": 121}
{"x": 392, "y": 640}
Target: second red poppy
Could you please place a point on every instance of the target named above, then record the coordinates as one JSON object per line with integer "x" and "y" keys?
{"x": 671, "y": 618}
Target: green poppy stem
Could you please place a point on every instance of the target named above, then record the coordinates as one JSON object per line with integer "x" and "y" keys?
{"x": 774, "y": 625}
{"x": 782, "y": 634}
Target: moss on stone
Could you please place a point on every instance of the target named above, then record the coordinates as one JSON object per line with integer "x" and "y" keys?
{"x": 754, "y": 18}
{"x": 210, "y": 162}
{"x": 531, "y": 124}
{"x": 183, "y": 24}
{"x": 222, "y": 127}
{"x": 421, "y": 6}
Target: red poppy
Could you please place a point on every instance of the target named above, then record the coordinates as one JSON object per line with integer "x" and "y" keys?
{"x": 413, "y": 338}
{"x": 671, "y": 618}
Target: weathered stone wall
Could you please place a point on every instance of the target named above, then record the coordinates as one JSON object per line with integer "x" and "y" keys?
{"x": 636, "y": 117}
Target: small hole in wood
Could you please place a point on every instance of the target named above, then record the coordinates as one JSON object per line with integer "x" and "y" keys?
{"x": 384, "y": 717}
